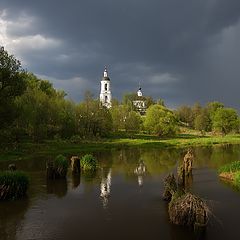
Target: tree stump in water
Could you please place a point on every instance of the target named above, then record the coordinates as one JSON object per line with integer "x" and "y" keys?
{"x": 188, "y": 162}
{"x": 170, "y": 187}
{"x": 75, "y": 164}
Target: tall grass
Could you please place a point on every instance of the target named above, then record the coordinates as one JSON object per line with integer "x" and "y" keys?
{"x": 88, "y": 162}
{"x": 61, "y": 166}
{"x": 13, "y": 185}
{"x": 231, "y": 167}
{"x": 237, "y": 178}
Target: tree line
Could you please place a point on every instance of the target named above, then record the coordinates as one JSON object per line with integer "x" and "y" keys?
{"x": 30, "y": 108}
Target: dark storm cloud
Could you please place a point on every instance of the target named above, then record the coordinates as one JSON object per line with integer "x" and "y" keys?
{"x": 182, "y": 51}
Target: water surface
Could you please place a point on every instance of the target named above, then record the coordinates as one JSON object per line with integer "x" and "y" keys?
{"x": 118, "y": 202}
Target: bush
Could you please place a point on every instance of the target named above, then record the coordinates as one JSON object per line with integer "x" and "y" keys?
{"x": 231, "y": 167}
{"x": 161, "y": 121}
{"x": 75, "y": 139}
{"x": 88, "y": 162}
{"x": 13, "y": 185}
{"x": 60, "y": 166}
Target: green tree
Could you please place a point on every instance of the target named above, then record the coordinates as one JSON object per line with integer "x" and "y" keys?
{"x": 92, "y": 119}
{"x": 119, "y": 114}
{"x": 161, "y": 121}
{"x": 226, "y": 120}
{"x": 202, "y": 121}
{"x": 185, "y": 115}
{"x": 133, "y": 121}
{"x": 12, "y": 84}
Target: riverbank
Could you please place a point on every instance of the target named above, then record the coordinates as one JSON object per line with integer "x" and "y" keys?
{"x": 27, "y": 149}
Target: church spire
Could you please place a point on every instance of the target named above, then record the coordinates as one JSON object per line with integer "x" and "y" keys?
{"x": 139, "y": 92}
{"x": 105, "y": 73}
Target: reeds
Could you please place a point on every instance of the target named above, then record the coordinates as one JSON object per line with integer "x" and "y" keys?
{"x": 188, "y": 210}
{"x": 57, "y": 168}
{"x": 88, "y": 163}
{"x": 184, "y": 208}
{"x": 231, "y": 167}
{"x": 13, "y": 185}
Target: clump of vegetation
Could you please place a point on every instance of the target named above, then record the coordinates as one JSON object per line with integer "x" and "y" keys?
{"x": 88, "y": 162}
{"x": 231, "y": 167}
{"x": 231, "y": 172}
{"x": 161, "y": 121}
{"x": 57, "y": 168}
{"x": 170, "y": 187}
{"x": 237, "y": 178}
{"x": 188, "y": 210}
{"x": 185, "y": 208}
{"x": 61, "y": 166}
{"x": 13, "y": 185}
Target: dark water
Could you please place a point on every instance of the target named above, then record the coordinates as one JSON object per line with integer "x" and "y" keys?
{"x": 116, "y": 203}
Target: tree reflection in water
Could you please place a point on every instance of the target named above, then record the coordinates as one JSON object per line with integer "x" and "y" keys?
{"x": 57, "y": 187}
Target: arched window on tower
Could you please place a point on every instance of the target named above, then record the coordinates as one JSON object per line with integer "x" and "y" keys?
{"x": 105, "y": 86}
{"x": 106, "y": 99}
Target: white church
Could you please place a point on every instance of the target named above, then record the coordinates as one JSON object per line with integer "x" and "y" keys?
{"x": 105, "y": 92}
{"x": 106, "y": 95}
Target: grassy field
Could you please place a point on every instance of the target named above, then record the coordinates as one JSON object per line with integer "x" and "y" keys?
{"x": 27, "y": 150}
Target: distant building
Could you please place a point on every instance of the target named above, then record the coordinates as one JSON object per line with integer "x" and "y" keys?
{"x": 105, "y": 92}
{"x": 140, "y": 103}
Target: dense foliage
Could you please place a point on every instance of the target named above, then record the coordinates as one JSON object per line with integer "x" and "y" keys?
{"x": 32, "y": 109}
{"x": 214, "y": 117}
{"x": 13, "y": 185}
{"x": 12, "y": 84}
{"x": 161, "y": 121}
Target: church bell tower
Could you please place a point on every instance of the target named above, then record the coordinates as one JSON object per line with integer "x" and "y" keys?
{"x": 105, "y": 92}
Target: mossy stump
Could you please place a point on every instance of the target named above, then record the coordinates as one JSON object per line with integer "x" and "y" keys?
{"x": 75, "y": 165}
{"x": 13, "y": 185}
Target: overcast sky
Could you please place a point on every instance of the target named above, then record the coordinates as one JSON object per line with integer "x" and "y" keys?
{"x": 182, "y": 51}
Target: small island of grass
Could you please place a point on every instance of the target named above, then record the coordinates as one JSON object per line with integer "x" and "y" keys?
{"x": 231, "y": 172}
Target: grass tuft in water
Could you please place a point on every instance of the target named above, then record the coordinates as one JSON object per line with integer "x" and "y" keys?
{"x": 88, "y": 162}
{"x": 13, "y": 185}
{"x": 61, "y": 166}
{"x": 231, "y": 167}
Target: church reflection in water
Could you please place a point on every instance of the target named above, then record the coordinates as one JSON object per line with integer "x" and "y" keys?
{"x": 140, "y": 171}
{"x": 105, "y": 187}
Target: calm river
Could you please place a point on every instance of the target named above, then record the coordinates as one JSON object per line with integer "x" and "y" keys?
{"x": 119, "y": 203}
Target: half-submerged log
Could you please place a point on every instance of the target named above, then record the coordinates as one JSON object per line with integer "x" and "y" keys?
{"x": 75, "y": 164}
